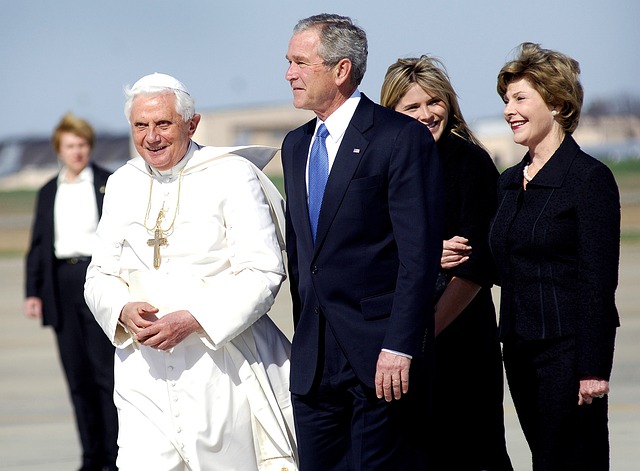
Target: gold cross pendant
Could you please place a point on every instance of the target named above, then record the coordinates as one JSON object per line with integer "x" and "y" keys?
{"x": 157, "y": 241}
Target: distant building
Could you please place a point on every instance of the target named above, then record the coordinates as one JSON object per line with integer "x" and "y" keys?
{"x": 605, "y": 137}
{"x": 245, "y": 126}
{"x": 28, "y": 163}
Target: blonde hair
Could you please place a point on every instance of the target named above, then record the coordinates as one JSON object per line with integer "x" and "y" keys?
{"x": 555, "y": 76}
{"x": 431, "y": 75}
{"x": 74, "y": 125}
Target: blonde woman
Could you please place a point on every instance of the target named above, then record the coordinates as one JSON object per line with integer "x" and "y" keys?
{"x": 469, "y": 432}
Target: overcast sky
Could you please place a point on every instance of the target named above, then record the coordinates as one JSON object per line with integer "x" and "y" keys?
{"x": 77, "y": 55}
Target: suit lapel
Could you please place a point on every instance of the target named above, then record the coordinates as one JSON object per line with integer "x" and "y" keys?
{"x": 299, "y": 189}
{"x": 49, "y": 196}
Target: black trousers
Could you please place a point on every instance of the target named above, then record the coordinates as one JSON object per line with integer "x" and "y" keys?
{"x": 544, "y": 385}
{"x": 87, "y": 359}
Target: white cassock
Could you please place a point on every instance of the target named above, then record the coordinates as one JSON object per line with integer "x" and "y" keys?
{"x": 220, "y": 399}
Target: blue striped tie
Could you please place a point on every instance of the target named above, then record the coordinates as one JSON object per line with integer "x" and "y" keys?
{"x": 318, "y": 174}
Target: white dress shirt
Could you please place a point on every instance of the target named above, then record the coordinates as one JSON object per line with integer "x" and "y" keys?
{"x": 75, "y": 215}
{"x": 337, "y": 125}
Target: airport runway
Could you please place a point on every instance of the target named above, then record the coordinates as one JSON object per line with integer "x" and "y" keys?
{"x": 37, "y": 432}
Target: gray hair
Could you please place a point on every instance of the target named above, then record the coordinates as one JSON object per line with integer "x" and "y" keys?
{"x": 340, "y": 39}
{"x": 185, "y": 104}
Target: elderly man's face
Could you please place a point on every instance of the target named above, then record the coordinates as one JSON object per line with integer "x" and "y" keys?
{"x": 159, "y": 133}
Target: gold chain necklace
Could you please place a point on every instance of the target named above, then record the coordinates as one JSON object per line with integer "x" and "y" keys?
{"x": 159, "y": 234}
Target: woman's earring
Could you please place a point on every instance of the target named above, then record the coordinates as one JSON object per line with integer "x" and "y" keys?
{"x": 554, "y": 112}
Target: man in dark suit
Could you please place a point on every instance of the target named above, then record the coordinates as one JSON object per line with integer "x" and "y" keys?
{"x": 67, "y": 212}
{"x": 361, "y": 276}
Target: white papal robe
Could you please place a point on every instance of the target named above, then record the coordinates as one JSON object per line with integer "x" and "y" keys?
{"x": 219, "y": 400}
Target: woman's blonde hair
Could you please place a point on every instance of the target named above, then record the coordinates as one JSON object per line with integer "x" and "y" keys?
{"x": 431, "y": 75}
{"x": 555, "y": 76}
{"x": 74, "y": 125}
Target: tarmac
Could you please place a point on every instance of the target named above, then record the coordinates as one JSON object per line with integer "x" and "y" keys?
{"x": 37, "y": 430}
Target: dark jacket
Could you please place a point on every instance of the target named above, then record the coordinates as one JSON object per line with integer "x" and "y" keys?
{"x": 40, "y": 262}
{"x": 557, "y": 248}
{"x": 470, "y": 179}
{"x": 378, "y": 243}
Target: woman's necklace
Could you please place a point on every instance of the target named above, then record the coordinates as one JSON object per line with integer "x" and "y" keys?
{"x": 525, "y": 173}
{"x": 159, "y": 234}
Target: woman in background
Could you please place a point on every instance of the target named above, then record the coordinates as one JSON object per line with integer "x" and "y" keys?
{"x": 67, "y": 211}
{"x": 556, "y": 242}
{"x": 468, "y": 395}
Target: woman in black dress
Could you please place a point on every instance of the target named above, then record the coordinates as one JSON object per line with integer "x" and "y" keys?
{"x": 556, "y": 242}
{"x": 468, "y": 426}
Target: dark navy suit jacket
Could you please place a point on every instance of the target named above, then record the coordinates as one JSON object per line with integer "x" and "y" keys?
{"x": 378, "y": 245}
{"x": 40, "y": 264}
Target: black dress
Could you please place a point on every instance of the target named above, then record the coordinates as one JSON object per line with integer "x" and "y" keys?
{"x": 468, "y": 396}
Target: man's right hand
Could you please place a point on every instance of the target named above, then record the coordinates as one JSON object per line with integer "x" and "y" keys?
{"x": 135, "y": 316}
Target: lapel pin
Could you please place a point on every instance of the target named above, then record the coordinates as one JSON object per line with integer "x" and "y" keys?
{"x": 356, "y": 151}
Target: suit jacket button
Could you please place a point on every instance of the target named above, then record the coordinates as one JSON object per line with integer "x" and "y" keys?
{"x": 314, "y": 270}
{"x": 316, "y": 310}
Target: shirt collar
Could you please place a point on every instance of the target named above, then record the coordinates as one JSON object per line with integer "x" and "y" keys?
{"x": 86, "y": 175}
{"x": 338, "y": 121}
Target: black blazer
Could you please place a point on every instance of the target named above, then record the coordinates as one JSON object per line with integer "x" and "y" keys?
{"x": 378, "y": 243}
{"x": 470, "y": 199}
{"x": 40, "y": 262}
{"x": 557, "y": 249}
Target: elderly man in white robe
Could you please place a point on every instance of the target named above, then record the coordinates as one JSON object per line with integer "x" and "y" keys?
{"x": 189, "y": 261}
